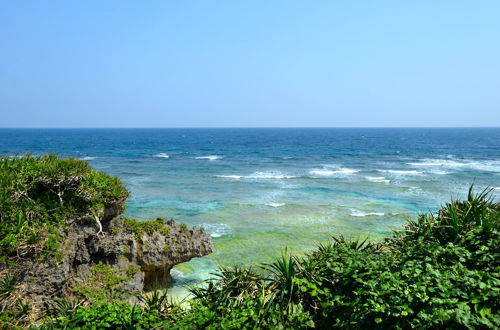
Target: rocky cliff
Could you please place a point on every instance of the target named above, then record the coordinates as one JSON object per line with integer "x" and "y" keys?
{"x": 140, "y": 254}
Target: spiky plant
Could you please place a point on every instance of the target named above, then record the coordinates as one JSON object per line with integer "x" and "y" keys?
{"x": 281, "y": 279}
{"x": 7, "y": 285}
{"x": 157, "y": 301}
{"x": 64, "y": 307}
{"x": 479, "y": 213}
{"x": 231, "y": 284}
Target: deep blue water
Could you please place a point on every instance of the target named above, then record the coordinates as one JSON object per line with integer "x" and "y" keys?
{"x": 258, "y": 190}
{"x": 483, "y": 143}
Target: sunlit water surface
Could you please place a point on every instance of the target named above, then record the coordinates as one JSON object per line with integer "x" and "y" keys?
{"x": 257, "y": 191}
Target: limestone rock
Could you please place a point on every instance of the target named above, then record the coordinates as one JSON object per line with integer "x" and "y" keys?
{"x": 151, "y": 254}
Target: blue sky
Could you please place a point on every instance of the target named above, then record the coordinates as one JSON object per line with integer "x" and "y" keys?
{"x": 249, "y": 63}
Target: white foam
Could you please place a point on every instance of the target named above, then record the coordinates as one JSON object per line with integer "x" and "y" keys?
{"x": 437, "y": 162}
{"x": 485, "y": 165}
{"x": 275, "y": 204}
{"x": 162, "y": 155}
{"x": 322, "y": 172}
{"x": 211, "y": 157}
{"x": 402, "y": 172}
{"x": 358, "y": 213}
{"x": 236, "y": 177}
{"x": 414, "y": 189}
{"x": 178, "y": 275}
{"x": 270, "y": 175}
{"x": 496, "y": 188}
{"x": 438, "y": 172}
{"x": 217, "y": 229}
{"x": 325, "y": 172}
{"x": 88, "y": 158}
{"x": 259, "y": 175}
{"x": 380, "y": 179}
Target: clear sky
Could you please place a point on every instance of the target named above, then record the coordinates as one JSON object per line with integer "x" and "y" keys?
{"x": 249, "y": 63}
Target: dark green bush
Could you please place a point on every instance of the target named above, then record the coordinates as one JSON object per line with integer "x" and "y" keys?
{"x": 107, "y": 316}
{"x": 153, "y": 311}
{"x": 441, "y": 271}
{"x": 37, "y": 195}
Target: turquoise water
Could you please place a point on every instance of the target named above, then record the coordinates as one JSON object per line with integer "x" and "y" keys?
{"x": 257, "y": 191}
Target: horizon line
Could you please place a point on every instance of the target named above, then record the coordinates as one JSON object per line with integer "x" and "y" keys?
{"x": 254, "y": 127}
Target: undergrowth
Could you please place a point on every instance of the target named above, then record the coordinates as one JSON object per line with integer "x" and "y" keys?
{"x": 440, "y": 271}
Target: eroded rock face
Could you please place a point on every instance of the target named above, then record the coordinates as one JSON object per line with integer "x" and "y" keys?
{"x": 154, "y": 253}
{"x": 145, "y": 258}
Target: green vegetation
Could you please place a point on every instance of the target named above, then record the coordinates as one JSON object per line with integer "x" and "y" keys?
{"x": 38, "y": 194}
{"x": 104, "y": 284}
{"x": 17, "y": 313}
{"x": 153, "y": 313}
{"x": 440, "y": 271}
{"x": 131, "y": 271}
{"x": 142, "y": 227}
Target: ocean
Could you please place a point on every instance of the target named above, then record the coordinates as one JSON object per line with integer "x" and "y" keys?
{"x": 258, "y": 191}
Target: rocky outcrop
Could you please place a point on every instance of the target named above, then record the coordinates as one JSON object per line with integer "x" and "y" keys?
{"x": 142, "y": 253}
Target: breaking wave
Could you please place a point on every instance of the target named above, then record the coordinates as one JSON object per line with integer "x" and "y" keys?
{"x": 327, "y": 172}
{"x": 258, "y": 175}
{"x": 437, "y": 162}
{"x": 401, "y": 172}
{"x": 210, "y": 157}
{"x": 380, "y": 179}
{"x": 162, "y": 155}
{"x": 275, "y": 204}
{"x": 216, "y": 229}
{"x": 358, "y": 213}
{"x": 485, "y": 165}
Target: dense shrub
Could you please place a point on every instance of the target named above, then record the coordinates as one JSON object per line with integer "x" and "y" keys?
{"x": 440, "y": 271}
{"x": 108, "y": 316}
{"x": 37, "y": 195}
{"x": 153, "y": 311}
